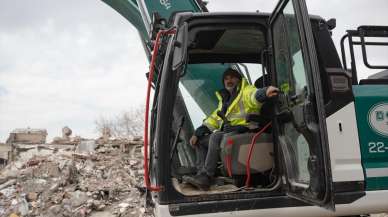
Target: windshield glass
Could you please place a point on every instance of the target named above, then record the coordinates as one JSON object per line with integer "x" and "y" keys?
{"x": 198, "y": 87}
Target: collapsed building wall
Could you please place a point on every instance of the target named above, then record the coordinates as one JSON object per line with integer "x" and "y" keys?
{"x": 5, "y": 154}
{"x": 27, "y": 136}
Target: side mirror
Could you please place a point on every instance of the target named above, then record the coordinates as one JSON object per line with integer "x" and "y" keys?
{"x": 332, "y": 23}
{"x": 340, "y": 81}
{"x": 180, "y": 47}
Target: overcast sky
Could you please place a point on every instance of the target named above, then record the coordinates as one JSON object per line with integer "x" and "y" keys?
{"x": 65, "y": 63}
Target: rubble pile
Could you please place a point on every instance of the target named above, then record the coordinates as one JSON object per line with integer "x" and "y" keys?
{"x": 89, "y": 179}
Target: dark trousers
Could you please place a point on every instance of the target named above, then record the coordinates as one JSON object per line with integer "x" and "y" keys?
{"x": 208, "y": 152}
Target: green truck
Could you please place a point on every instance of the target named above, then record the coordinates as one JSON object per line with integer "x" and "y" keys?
{"x": 326, "y": 153}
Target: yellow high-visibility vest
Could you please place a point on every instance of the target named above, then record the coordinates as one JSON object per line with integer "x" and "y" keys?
{"x": 245, "y": 103}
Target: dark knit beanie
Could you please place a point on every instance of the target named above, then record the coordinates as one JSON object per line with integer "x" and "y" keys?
{"x": 231, "y": 72}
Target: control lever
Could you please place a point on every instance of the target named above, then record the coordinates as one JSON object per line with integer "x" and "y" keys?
{"x": 176, "y": 139}
{"x": 284, "y": 116}
{"x": 294, "y": 97}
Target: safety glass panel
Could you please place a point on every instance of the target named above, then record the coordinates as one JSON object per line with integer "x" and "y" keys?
{"x": 281, "y": 56}
{"x": 299, "y": 115}
{"x": 291, "y": 78}
{"x": 298, "y": 76}
{"x": 300, "y": 154}
{"x": 194, "y": 110}
{"x": 201, "y": 81}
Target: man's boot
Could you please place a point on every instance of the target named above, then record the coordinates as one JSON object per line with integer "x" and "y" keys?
{"x": 201, "y": 181}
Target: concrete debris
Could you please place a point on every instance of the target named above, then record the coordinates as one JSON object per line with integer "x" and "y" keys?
{"x": 61, "y": 180}
{"x": 86, "y": 146}
{"x": 102, "y": 214}
{"x": 66, "y": 139}
{"x": 66, "y": 132}
{"x": 7, "y": 192}
{"x": 8, "y": 183}
{"x": 22, "y": 206}
{"x": 137, "y": 138}
{"x": 32, "y": 196}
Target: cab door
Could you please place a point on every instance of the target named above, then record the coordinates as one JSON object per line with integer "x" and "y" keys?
{"x": 300, "y": 118}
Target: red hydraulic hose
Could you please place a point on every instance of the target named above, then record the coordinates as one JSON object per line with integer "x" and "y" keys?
{"x": 150, "y": 79}
{"x": 248, "y": 163}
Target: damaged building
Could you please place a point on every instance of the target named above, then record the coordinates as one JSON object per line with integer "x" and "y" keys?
{"x": 27, "y": 136}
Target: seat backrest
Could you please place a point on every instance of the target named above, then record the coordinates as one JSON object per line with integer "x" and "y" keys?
{"x": 235, "y": 150}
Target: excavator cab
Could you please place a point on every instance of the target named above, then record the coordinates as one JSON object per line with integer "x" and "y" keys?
{"x": 276, "y": 49}
{"x": 311, "y": 154}
{"x": 211, "y": 46}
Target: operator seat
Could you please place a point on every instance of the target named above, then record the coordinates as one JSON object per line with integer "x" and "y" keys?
{"x": 235, "y": 148}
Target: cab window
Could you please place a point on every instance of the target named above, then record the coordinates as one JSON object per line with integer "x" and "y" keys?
{"x": 292, "y": 80}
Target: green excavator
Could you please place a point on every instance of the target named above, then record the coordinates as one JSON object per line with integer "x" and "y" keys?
{"x": 325, "y": 152}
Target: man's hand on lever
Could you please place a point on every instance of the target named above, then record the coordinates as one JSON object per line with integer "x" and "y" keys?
{"x": 272, "y": 91}
{"x": 193, "y": 140}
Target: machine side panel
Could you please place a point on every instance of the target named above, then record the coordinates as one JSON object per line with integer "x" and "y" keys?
{"x": 344, "y": 145}
{"x": 372, "y": 120}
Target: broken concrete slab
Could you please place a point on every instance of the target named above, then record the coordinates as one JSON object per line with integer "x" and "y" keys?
{"x": 48, "y": 169}
{"x": 78, "y": 198}
{"x": 7, "y": 184}
{"x": 7, "y": 192}
{"x": 86, "y": 146}
{"x": 102, "y": 214}
{"x": 66, "y": 138}
{"x": 20, "y": 205}
{"x": 66, "y": 132}
{"x": 32, "y": 196}
{"x": 35, "y": 185}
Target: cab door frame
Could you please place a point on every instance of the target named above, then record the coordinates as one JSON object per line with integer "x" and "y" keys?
{"x": 309, "y": 114}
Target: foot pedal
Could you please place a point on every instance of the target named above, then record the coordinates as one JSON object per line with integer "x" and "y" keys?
{"x": 220, "y": 180}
